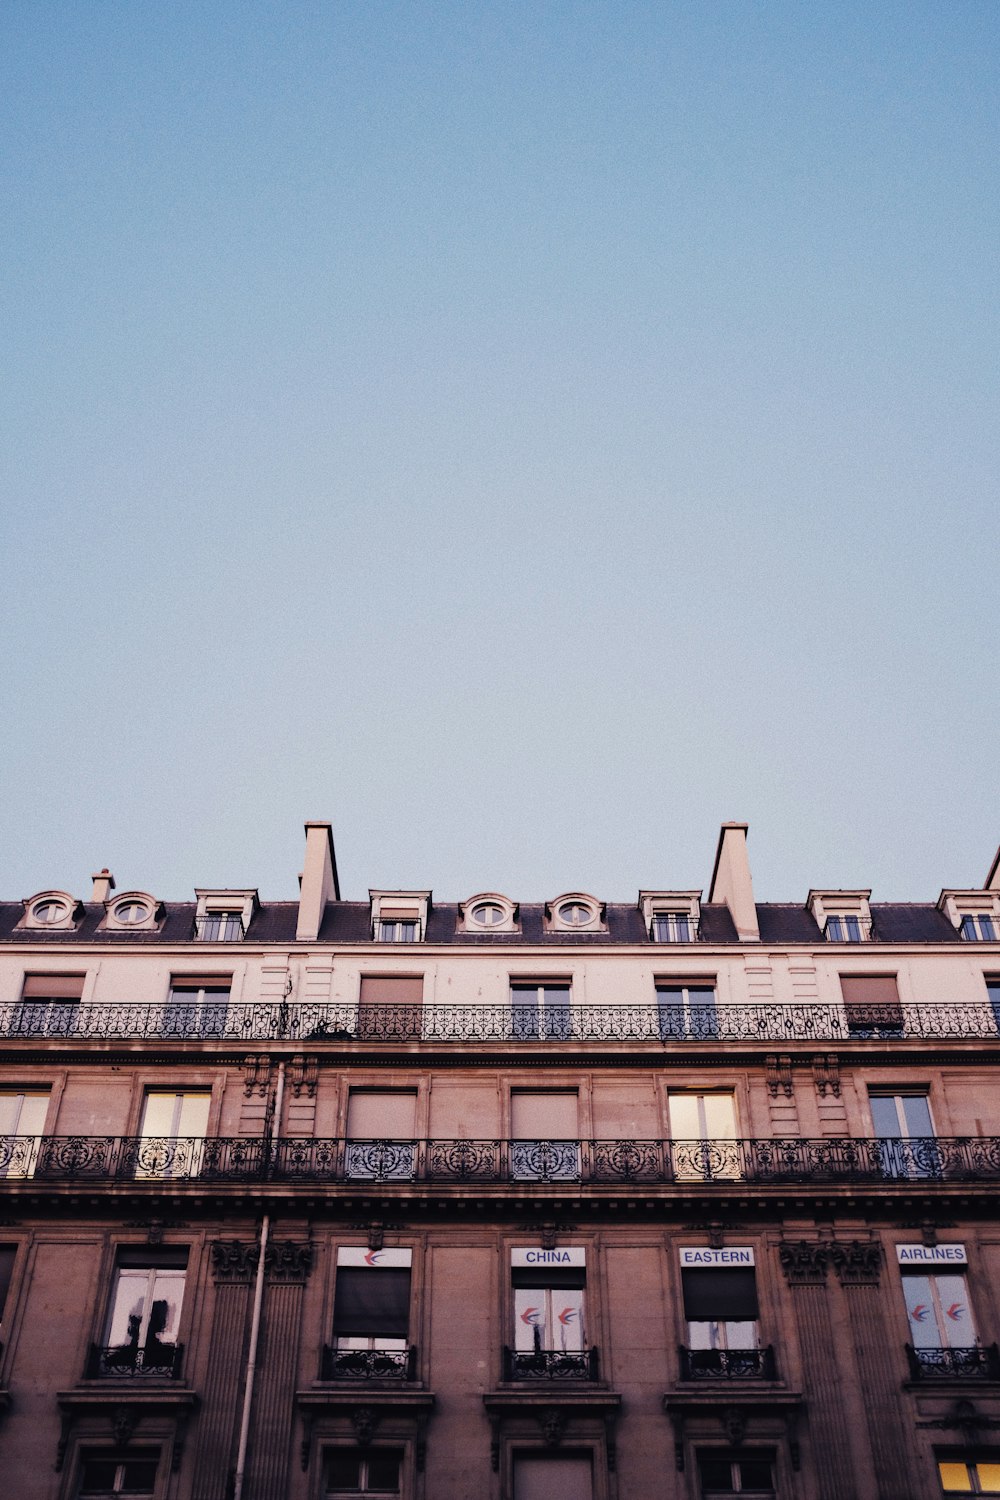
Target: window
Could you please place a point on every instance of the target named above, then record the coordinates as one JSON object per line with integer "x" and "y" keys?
{"x": 132, "y": 911}
{"x": 686, "y": 1011}
{"x": 847, "y": 929}
{"x": 402, "y": 931}
{"x": 51, "y": 911}
{"x": 8, "y": 1254}
{"x": 942, "y": 1329}
{"x": 993, "y": 992}
{"x": 220, "y": 927}
{"x": 574, "y": 912}
{"x": 673, "y": 927}
{"x": 371, "y": 1314}
{"x": 349, "y": 1471}
{"x": 969, "y": 1474}
{"x": 50, "y": 1004}
{"x": 703, "y": 1135}
{"x": 106, "y": 1473}
{"x": 871, "y": 1003}
{"x": 718, "y": 1475}
{"x": 390, "y": 1006}
{"x": 545, "y": 1136}
{"x": 140, "y": 1337}
{"x": 172, "y": 1135}
{"x": 488, "y": 914}
{"x": 906, "y": 1145}
{"x": 550, "y": 1328}
{"x": 380, "y": 1128}
{"x": 22, "y": 1120}
{"x": 979, "y": 928}
{"x": 540, "y": 1008}
{"x": 568, "y": 1476}
{"x": 199, "y": 1004}
{"x": 720, "y": 1305}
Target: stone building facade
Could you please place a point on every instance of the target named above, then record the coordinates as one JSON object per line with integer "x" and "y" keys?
{"x": 494, "y": 1200}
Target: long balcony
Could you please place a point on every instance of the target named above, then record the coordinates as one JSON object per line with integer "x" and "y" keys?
{"x": 690, "y": 1165}
{"x": 302, "y": 1022}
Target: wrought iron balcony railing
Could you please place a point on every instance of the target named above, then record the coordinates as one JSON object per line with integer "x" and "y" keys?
{"x": 220, "y": 927}
{"x": 550, "y": 1364}
{"x": 667, "y": 1024}
{"x": 685, "y": 1164}
{"x": 980, "y": 1362}
{"x": 134, "y": 1362}
{"x": 727, "y": 1364}
{"x": 368, "y": 1364}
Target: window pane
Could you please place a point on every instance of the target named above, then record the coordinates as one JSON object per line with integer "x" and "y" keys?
{"x": 885, "y": 1117}
{"x": 955, "y": 1313}
{"x": 720, "y": 1295}
{"x": 955, "y": 1478}
{"x": 920, "y": 1311}
{"x": 917, "y": 1115}
{"x": 989, "y": 1477}
{"x": 685, "y": 1124}
{"x": 371, "y": 1302}
{"x": 720, "y": 1117}
{"x": 716, "y": 1474}
{"x": 139, "y": 1476}
{"x": 383, "y": 1469}
{"x": 755, "y": 1475}
{"x": 343, "y": 1469}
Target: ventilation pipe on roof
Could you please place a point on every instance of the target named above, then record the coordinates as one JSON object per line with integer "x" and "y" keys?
{"x": 104, "y": 884}
{"x": 319, "y": 881}
{"x": 731, "y": 880}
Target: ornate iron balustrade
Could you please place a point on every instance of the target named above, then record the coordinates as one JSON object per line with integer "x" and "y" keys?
{"x": 309, "y": 1021}
{"x": 306, "y": 1159}
{"x": 132, "y": 1362}
{"x": 550, "y": 1364}
{"x": 727, "y": 1364}
{"x": 980, "y": 1362}
{"x": 368, "y": 1364}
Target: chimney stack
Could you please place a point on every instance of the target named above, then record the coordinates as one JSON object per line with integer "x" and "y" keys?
{"x": 319, "y": 882}
{"x": 104, "y": 884}
{"x": 731, "y": 881}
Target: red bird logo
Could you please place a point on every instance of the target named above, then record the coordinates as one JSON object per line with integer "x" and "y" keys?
{"x": 533, "y": 1316}
{"x": 568, "y": 1315}
{"x": 920, "y": 1312}
{"x": 954, "y": 1312}
{"x": 373, "y": 1256}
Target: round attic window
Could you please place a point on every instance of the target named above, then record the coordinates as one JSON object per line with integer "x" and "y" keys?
{"x": 131, "y": 913}
{"x": 49, "y": 912}
{"x": 575, "y": 914}
{"x": 488, "y": 914}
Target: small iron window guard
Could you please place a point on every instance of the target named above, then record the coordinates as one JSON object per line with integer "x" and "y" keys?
{"x": 368, "y": 1364}
{"x": 979, "y": 1362}
{"x": 219, "y": 927}
{"x": 132, "y": 1362}
{"x": 550, "y": 1364}
{"x": 727, "y": 1364}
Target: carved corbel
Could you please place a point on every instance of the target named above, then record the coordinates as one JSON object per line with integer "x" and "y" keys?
{"x": 234, "y": 1260}
{"x": 553, "y": 1424}
{"x": 306, "y": 1446}
{"x": 257, "y": 1075}
{"x": 303, "y": 1072}
{"x": 65, "y": 1429}
{"x": 495, "y": 1446}
{"x": 858, "y": 1263}
{"x": 180, "y": 1438}
{"x": 804, "y": 1262}
{"x": 288, "y": 1260}
{"x": 826, "y": 1074}
{"x": 610, "y": 1442}
{"x": 778, "y": 1070}
{"x": 420, "y": 1447}
{"x": 677, "y": 1422}
{"x": 123, "y": 1424}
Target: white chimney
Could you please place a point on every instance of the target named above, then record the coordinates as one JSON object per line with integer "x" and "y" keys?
{"x": 104, "y": 884}
{"x": 319, "y": 882}
{"x": 731, "y": 881}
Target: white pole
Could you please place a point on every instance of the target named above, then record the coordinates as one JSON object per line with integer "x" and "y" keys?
{"x": 258, "y": 1302}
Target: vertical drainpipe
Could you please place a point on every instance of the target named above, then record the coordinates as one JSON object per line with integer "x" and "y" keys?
{"x": 258, "y": 1301}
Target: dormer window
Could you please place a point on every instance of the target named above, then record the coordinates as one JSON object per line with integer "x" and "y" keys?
{"x": 981, "y": 928}
{"x": 223, "y": 916}
{"x": 400, "y": 930}
{"x": 399, "y": 916}
{"x": 842, "y": 916}
{"x": 671, "y": 916}
{"x": 575, "y": 912}
{"x": 134, "y": 911}
{"x": 51, "y": 911}
{"x": 975, "y": 914}
{"x": 488, "y": 912}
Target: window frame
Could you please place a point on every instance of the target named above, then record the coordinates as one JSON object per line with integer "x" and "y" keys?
{"x": 536, "y": 1019}
{"x": 172, "y": 1262}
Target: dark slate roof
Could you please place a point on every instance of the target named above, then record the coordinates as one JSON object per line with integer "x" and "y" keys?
{"x": 350, "y": 922}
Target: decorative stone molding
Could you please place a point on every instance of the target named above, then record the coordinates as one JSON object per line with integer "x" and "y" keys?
{"x": 858, "y": 1263}
{"x": 234, "y": 1260}
{"x": 257, "y": 1075}
{"x": 778, "y": 1069}
{"x": 964, "y": 1418}
{"x": 288, "y": 1261}
{"x": 364, "y": 1420}
{"x": 804, "y": 1262}
{"x": 826, "y": 1074}
{"x": 302, "y": 1076}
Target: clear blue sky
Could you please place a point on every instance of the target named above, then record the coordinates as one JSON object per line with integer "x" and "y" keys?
{"x": 525, "y": 434}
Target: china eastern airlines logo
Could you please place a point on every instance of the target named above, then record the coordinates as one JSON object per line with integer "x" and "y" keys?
{"x": 374, "y": 1257}
{"x": 533, "y": 1316}
{"x": 569, "y": 1315}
